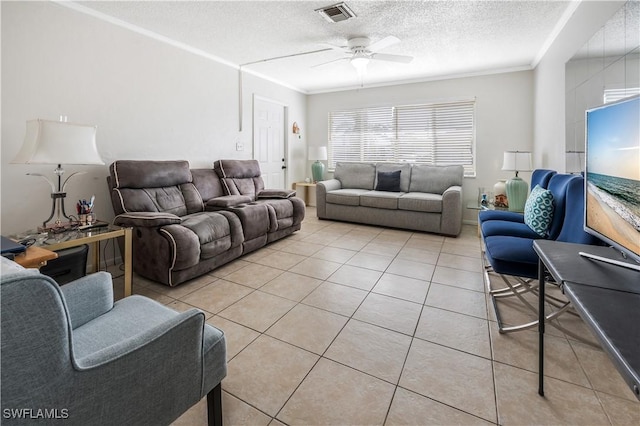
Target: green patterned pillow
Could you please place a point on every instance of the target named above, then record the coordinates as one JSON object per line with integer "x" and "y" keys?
{"x": 538, "y": 211}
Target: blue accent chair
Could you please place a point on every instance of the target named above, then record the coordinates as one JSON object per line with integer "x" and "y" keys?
{"x": 558, "y": 187}
{"x": 73, "y": 350}
{"x": 514, "y": 256}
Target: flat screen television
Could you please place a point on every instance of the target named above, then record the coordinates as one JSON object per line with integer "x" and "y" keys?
{"x": 612, "y": 177}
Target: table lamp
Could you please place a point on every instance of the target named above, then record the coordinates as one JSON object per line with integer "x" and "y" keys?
{"x": 517, "y": 189}
{"x": 58, "y": 142}
{"x": 317, "y": 168}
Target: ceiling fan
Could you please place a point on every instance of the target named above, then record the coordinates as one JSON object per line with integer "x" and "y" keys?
{"x": 360, "y": 51}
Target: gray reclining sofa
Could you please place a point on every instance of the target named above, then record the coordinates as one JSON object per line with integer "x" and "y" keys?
{"x": 188, "y": 222}
{"x": 410, "y": 196}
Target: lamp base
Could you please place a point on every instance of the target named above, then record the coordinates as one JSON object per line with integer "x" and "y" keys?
{"x": 517, "y": 191}
{"x": 317, "y": 170}
{"x": 55, "y": 227}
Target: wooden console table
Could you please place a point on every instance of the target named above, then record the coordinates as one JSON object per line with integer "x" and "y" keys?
{"x": 607, "y": 298}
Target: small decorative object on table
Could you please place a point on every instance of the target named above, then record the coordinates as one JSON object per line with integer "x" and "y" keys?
{"x": 500, "y": 191}
{"x": 85, "y": 211}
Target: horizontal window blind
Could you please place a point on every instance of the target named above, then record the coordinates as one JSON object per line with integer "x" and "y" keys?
{"x": 438, "y": 134}
{"x": 612, "y": 95}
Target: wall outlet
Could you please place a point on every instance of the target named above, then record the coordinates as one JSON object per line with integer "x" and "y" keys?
{"x": 239, "y": 146}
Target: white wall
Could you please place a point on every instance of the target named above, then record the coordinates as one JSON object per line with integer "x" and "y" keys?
{"x": 549, "y": 77}
{"x": 504, "y": 117}
{"x": 150, "y": 100}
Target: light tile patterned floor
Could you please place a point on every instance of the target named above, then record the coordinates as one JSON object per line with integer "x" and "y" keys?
{"x": 349, "y": 324}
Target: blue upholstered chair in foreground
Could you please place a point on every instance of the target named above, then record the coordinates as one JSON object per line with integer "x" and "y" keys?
{"x": 538, "y": 177}
{"x": 515, "y": 257}
{"x": 72, "y": 353}
{"x": 558, "y": 187}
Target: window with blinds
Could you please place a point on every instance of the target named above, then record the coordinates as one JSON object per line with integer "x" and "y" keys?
{"x": 439, "y": 134}
{"x": 612, "y": 95}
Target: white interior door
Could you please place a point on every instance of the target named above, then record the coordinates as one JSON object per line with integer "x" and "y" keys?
{"x": 269, "y": 141}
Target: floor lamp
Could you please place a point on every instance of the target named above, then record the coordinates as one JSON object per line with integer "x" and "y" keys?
{"x": 517, "y": 189}
{"x": 58, "y": 142}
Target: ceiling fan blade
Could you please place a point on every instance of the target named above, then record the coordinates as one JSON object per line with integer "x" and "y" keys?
{"x": 392, "y": 58}
{"x": 383, "y": 44}
{"x": 337, "y": 48}
{"x": 329, "y": 62}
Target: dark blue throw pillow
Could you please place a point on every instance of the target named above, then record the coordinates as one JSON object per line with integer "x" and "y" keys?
{"x": 389, "y": 181}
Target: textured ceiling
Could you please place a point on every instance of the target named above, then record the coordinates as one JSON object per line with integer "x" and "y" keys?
{"x": 445, "y": 37}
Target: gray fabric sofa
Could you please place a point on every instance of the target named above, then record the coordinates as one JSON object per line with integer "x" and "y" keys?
{"x": 71, "y": 355}
{"x": 410, "y": 196}
{"x": 188, "y": 222}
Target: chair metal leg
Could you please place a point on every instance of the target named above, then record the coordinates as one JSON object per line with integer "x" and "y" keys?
{"x": 214, "y": 406}
{"x": 561, "y": 306}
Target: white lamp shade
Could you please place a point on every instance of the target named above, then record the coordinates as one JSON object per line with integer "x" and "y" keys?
{"x": 317, "y": 153}
{"x": 519, "y": 161}
{"x": 56, "y": 142}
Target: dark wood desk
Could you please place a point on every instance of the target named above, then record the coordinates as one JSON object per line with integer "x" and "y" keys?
{"x": 607, "y": 298}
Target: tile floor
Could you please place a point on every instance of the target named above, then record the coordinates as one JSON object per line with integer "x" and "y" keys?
{"x": 349, "y": 324}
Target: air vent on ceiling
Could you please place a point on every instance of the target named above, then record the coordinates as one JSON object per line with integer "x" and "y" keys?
{"x": 336, "y": 13}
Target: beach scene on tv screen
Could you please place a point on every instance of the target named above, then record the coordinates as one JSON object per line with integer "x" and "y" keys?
{"x": 613, "y": 173}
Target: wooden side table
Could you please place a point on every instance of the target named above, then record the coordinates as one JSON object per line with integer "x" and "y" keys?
{"x": 35, "y": 257}
{"x": 305, "y": 192}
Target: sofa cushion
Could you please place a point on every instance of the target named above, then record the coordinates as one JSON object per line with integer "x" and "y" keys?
{"x": 380, "y": 199}
{"x": 421, "y": 202}
{"x": 154, "y": 186}
{"x": 347, "y": 197}
{"x": 164, "y": 200}
{"x": 405, "y": 175}
{"x": 388, "y": 181}
{"x": 435, "y": 179}
{"x": 240, "y": 177}
{"x": 355, "y": 175}
{"x": 207, "y": 183}
{"x": 149, "y": 174}
{"x": 212, "y": 230}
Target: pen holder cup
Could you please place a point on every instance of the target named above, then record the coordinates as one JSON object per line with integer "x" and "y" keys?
{"x": 86, "y": 219}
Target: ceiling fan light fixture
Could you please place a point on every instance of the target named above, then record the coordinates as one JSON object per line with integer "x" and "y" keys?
{"x": 360, "y": 63}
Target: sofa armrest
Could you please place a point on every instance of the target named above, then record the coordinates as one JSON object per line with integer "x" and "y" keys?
{"x": 451, "y": 221}
{"x": 275, "y": 193}
{"x": 321, "y": 195}
{"x": 88, "y": 297}
{"x": 172, "y": 333}
{"x": 227, "y": 201}
{"x": 146, "y": 219}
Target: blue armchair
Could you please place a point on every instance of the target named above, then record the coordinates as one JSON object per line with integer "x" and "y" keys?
{"x": 72, "y": 353}
{"x": 514, "y": 256}
{"x": 558, "y": 187}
